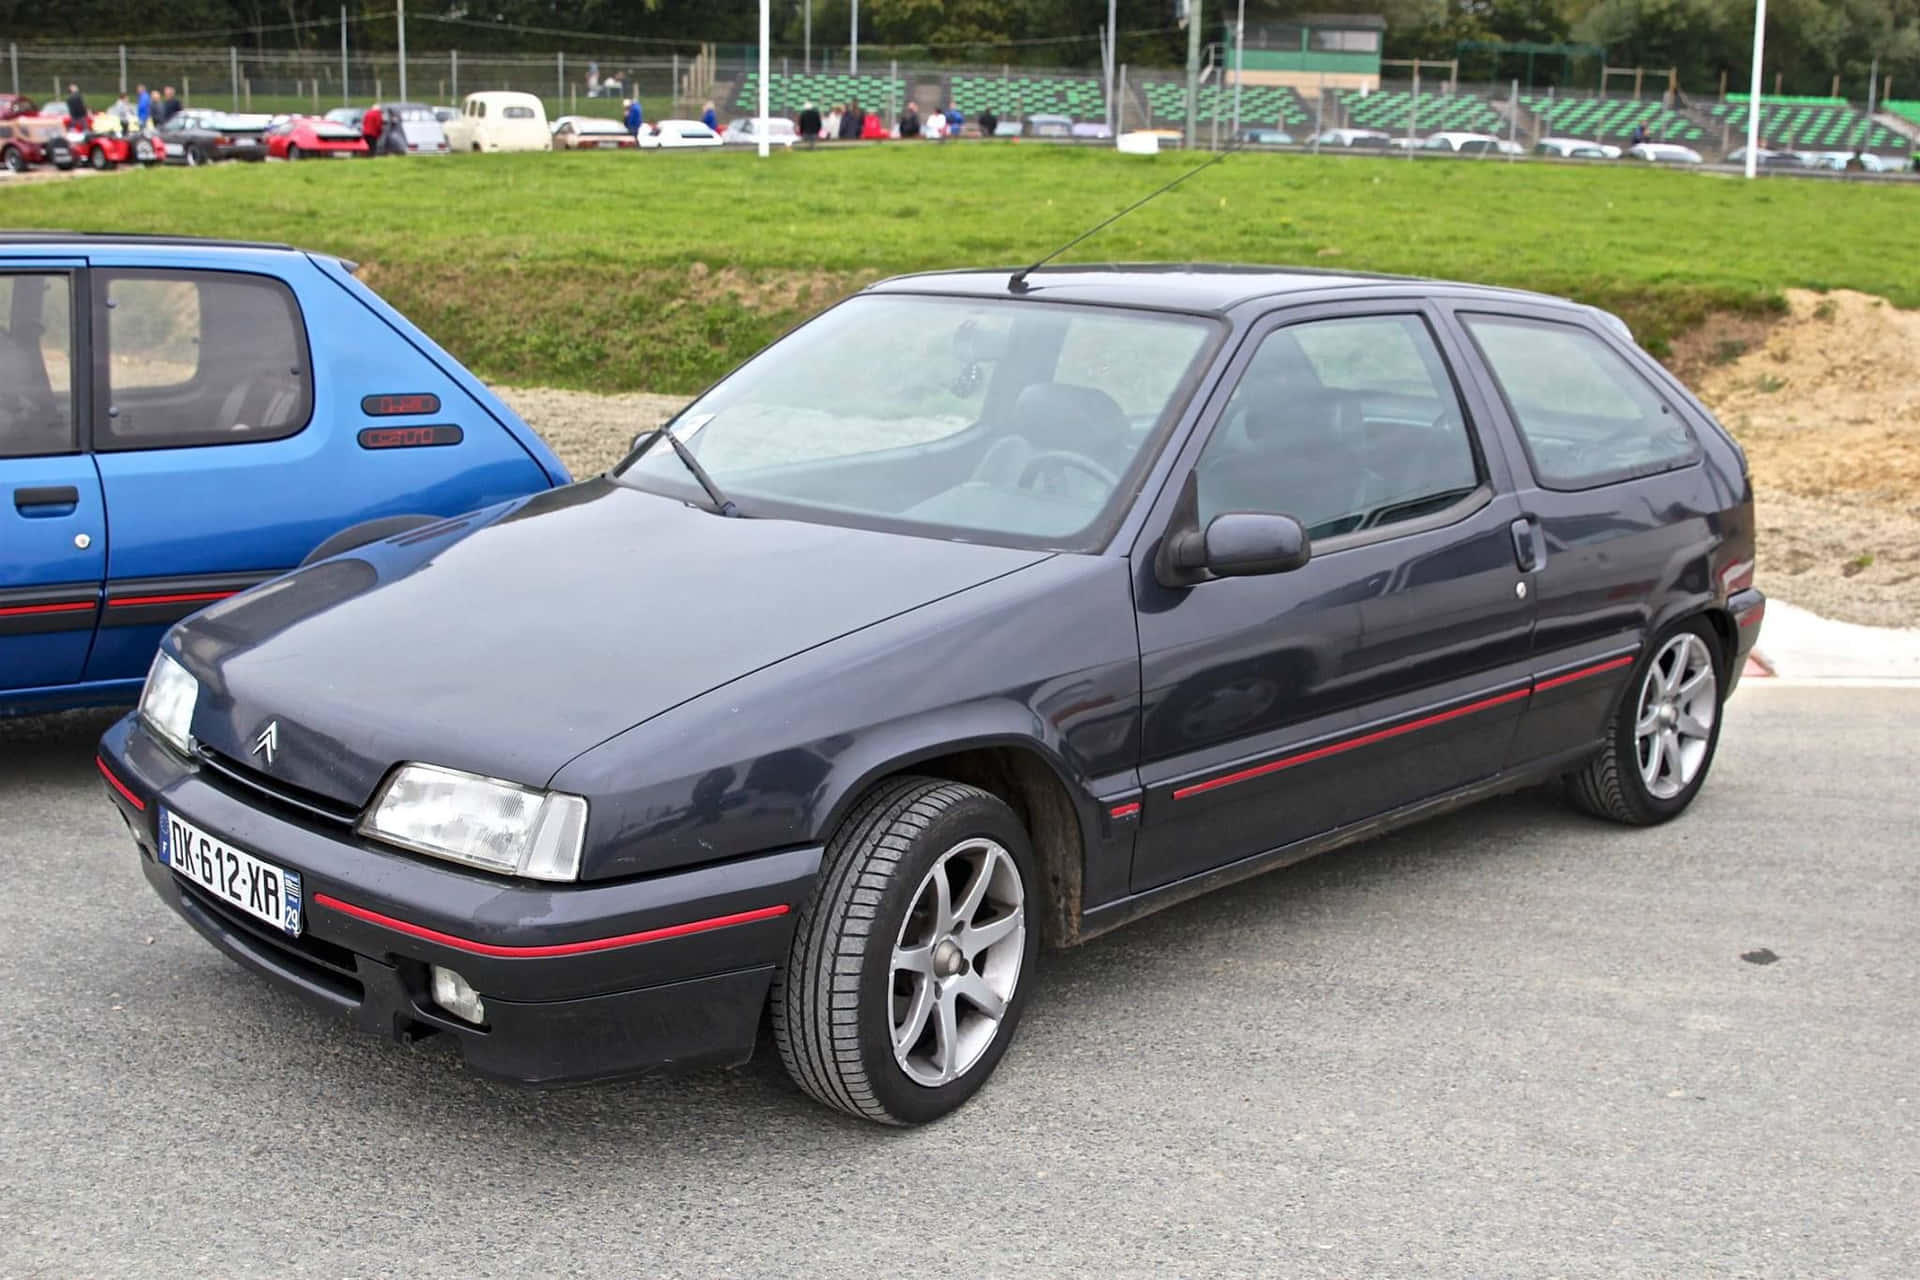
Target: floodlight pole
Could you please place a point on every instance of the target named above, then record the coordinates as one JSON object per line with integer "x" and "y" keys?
{"x": 853, "y": 48}
{"x": 1193, "y": 74}
{"x": 766, "y": 27}
{"x": 403, "y": 49}
{"x": 1239, "y": 65}
{"x": 806, "y": 37}
{"x": 345, "y": 95}
{"x": 1753, "y": 93}
{"x": 1113, "y": 62}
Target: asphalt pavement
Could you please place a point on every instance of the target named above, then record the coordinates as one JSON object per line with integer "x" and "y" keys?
{"x": 1510, "y": 1042}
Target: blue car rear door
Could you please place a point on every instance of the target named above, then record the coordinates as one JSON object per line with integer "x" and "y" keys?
{"x": 246, "y": 408}
{"x": 53, "y": 530}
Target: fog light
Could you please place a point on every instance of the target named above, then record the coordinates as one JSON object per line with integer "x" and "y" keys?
{"x": 452, "y": 993}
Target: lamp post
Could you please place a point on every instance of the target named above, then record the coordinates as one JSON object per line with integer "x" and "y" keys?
{"x": 1753, "y": 92}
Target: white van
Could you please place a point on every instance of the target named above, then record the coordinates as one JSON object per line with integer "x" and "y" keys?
{"x": 498, "y": 120}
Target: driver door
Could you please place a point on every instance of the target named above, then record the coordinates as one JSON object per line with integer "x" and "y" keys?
{"x": 1392, "y": 667}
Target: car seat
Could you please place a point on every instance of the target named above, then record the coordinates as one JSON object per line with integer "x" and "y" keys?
{"x": 32, "y": 419}
{"x": 1298, "y": 457}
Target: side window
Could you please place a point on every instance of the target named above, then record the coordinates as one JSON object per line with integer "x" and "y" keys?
{"x": 1345, "y": 425}
{"x": 36, "y": 365}
{"x": 197, "y": 358}
{"x": 1586, "y": 416}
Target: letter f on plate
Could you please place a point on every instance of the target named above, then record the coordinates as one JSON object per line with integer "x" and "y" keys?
{"x": 268, "y": 742}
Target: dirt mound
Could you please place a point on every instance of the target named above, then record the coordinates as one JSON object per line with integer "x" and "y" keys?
{"x": 1826, "y": 402}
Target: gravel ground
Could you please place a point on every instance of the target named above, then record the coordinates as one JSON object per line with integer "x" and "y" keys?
{"x": 1512, "y": 1042}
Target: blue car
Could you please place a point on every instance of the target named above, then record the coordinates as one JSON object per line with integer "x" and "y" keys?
{"x": 182, "y": 419}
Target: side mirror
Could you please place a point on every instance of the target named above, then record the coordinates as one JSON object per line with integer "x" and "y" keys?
{"x": 1235, "y": 544}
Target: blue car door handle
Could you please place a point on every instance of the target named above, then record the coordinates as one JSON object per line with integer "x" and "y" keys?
{"x": 46, "y": 501}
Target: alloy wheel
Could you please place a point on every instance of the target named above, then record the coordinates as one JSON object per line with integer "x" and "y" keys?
{"x": 957, "y": 961}
{"x": 1673, "y": 723}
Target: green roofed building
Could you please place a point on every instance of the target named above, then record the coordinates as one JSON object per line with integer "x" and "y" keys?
{"x": 1339, "y": 50}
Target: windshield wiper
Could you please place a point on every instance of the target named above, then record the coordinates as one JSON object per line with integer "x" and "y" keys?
{"x": 722, "y": 504}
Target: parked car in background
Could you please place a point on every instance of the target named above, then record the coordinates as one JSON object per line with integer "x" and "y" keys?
{"x": 348, "y": 116}
{"x": 591, "y": 133}
{"x": 1096, "y": 129}
{"x": 196, "y": 136}
{"x": 1575, "y": 149}
{"x": 825, "y": 708}
{"x": 672, "y": 135}
{"x": 444, "y": 114}
{"x": 1767, "y": 158}
{"x": 29, "y": 140}
{"x": 106, "y": 147}
{"x": 422, "y": 129}
{"x": 241, "y": 412}
{"x": 1371, "y": 138}
{"x": 1044, "y": 125}
{"x": 1267, "y": 137}
{"x": 312, "y": 138}
{"x": 1664, "y": 153}
{"x": 1462, "y": 142}
{"x": 1008, "y": 129}
{"x": 781, "y": 132}
{"x": 499, "y": 120}
{"x": 15, "y": 105}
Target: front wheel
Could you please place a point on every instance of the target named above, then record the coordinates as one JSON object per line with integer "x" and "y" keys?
{"x": 195, "y": 156}
{"x": 905, "y": 979}
{"x": 98, "y": 159}
{"x": 13, "y": 160}
{"x": 1661, "y": 740}
{"x": 293, "y": 151}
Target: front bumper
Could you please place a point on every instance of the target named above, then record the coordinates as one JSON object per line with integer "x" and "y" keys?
{"x": 581, "y": 982}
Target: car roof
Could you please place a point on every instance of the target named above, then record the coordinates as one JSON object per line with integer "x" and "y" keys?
{"x": 84, "y": 240}
{"x": 1206, "y": 287}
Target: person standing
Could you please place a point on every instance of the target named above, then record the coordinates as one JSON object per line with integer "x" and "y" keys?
{"x": 956, "y": 119}
{"x": 143, "y": 106}
{"x": 935, "y": 129}
{"x": 169, "y": 106}
{"x": 709, "y": 117}
{"x": 122, "y": 113}
{"x": 988, "y": 122}
{"x": 851, "y": 122}
{"x": 633, "y": 116}
{"x": 810, "y": 123}
{"x": 76, "y": 109}
{"x": 873, "y": 128}
{"x": 370, "y": 128}
{"x": 910, "y": 122}
{"x": 830, "y": 127}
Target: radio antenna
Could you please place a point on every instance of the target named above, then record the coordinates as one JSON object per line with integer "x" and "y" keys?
{"x": 1017, "y": 283}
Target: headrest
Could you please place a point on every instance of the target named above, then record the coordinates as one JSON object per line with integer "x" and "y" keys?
{"x": 1058, "y": 415}
{"x": 1289, "y": 411}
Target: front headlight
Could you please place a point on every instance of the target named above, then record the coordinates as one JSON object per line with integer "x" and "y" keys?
{"x": 483, "y": 822}
{"x": 166, "y": 704}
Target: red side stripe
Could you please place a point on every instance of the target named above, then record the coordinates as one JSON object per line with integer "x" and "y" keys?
{"x": 184, "y": 597}
{"x": 1612, "y": 665}
{"x": 120, "y": 786}
{"x": 1123, "y": 810}
{"x": 554, "y": 949}
{"x": 22, "y": 610}
{"x": 1350, "y": 744}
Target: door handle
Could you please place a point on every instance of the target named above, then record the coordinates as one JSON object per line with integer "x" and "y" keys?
{"x": 1529, "y": 550}
{"x": 47, "y": 500}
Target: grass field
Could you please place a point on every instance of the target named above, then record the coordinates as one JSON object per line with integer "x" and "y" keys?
{"x": 659, "y": 271}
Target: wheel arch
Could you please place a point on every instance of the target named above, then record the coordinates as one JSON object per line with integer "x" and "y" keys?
{"x": 1032, "y": 781}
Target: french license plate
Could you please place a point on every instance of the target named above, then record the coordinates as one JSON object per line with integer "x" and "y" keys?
{"x": 234, "y": 876}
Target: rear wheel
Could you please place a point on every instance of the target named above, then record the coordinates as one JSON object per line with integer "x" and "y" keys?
{"x": 98, "y": 159}
{"x": 1661, "y": 740}
{"x": 12, "y": 159}
{"x": 195, "y": 156}
{"x": 905, "y": 980}
{"x": 293, "y": 151}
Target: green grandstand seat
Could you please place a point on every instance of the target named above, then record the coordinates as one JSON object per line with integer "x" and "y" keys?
{"x": 1817, "y": 126}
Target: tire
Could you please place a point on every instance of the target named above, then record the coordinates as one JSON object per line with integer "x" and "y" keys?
{"x": 195, "y": 156}
{"x": 13, "y": 160}
{"x": 837, "y": 1001}
{"x": 1623, "y": 782}
{"x": 293, "y": 151}
{"x": 98, "y": 159}
{"x": 144, "y": 153}
{"x": 360, "y": 535}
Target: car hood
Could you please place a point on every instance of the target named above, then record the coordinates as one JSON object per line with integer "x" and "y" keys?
{"x": 509, "y": 641}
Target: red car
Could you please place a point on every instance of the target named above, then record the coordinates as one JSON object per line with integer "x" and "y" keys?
{"x": 31, "y": 140}
{"x": 106, "y": 150}
{"x": 15, "y": 105}
{"x": 304, "y": 137}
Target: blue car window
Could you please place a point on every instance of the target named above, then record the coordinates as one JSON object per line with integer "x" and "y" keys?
{"x": 36, "y": 362}
{"x": 198, "y": 358}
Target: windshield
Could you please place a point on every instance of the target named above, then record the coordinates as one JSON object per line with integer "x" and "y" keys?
{"x": 1006, "y": 421}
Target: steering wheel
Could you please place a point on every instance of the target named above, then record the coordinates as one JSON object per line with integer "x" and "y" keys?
{"x": 1065, "y": 460}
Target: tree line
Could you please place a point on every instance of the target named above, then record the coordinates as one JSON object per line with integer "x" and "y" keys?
{"x": 1809, "y": 42}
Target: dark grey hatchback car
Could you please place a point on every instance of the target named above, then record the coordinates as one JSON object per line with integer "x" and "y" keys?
{"x": 871, "y": 675}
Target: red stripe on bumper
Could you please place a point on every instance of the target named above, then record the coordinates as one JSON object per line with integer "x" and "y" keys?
{"x": 554, "y": 949}
{"x": 1554, "y": 683}
{"x": 1753, "y": 615}
{"x": 120, "y": 786}
{"x": 1336, "y": 748}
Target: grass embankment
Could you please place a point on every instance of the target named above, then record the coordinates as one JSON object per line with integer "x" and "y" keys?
{"x": 659, "y": 271}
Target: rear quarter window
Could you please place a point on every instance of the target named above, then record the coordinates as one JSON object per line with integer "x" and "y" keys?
{"x": 197, "y": 358}
{"x": 1585, "y": 415}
